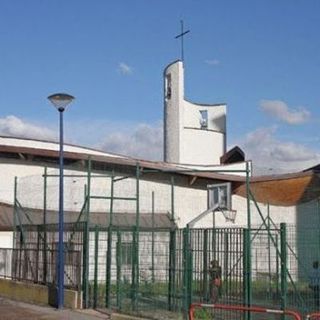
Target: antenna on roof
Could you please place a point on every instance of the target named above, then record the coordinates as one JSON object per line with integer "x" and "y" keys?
{"x": 181, "y": 35}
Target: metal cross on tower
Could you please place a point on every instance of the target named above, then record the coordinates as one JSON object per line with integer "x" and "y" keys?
{"x": 181, "y": 35}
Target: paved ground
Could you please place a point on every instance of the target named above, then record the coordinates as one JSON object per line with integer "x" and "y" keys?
{"x": 12, "y": 310}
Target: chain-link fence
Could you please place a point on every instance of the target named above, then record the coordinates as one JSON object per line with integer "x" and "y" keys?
{"x": 134, "y": 259}
{"x": 151, "y": 272}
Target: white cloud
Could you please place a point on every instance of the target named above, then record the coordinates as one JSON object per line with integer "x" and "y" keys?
{"x": 125, "y": 69}
{"x": 280, "y": 110}
{"x": 145, "y": 141}
{"x": 266, "y": 151}
{"x": 16, "y": 127}
{"x": 141, "y": 141}
{"x": 212, "y": 62}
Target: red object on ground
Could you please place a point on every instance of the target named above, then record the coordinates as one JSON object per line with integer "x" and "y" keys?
{"x": 291, "y": 313}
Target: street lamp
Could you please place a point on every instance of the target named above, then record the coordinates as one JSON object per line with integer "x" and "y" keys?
{"x": 60, "y": 101}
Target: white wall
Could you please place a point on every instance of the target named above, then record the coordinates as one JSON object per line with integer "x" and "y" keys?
{"x": 172, "y": 113}
{"x": 8, "y": 171}
{"x": 6, "y": 239}
{"x": 184, "y": 139}
{"x": 189, "y": 201}
{"x": 277, "y": 213}
{"x": 201, "y": 146}
{"x": 216, "y": 116}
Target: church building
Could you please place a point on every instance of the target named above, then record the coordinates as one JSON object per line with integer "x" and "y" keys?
{"x": 200, "y": 185}
{"x": 195, "y": 153}
{"x": 193, "y": 133}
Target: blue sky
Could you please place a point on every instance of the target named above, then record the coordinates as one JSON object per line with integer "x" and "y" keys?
{"x": 260, "y": 57}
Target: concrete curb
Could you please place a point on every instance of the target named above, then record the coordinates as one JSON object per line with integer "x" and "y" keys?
{"x": 36, "y": 294}
{"x": 119, "y": 316}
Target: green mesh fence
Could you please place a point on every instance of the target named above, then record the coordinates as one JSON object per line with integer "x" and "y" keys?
{"x": 303, "y": 247}
{"x": 35, "y": 254}
{"x": 274, "y": 286}
{"x": 173, "y": 270}
{"x": 224, "y": 249}
{"x": 132, "y": 290}
{"x": 265, "y": 261}
{"x": 158, "y": 273}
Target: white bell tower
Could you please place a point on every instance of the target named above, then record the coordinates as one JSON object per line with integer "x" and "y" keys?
{"x": 193, "y": 133}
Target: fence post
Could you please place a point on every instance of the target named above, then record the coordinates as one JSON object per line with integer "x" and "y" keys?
{"x": 190, "y": 270}
{"x": 134, "y": 269}
{"x": 15, "y": 218}
{"x": 84, "y": 263}
{"x": 152, "y": 239}
{"x": 109, "y": 250}
{"x": 246, "y": 271}
{"x": 78, "y": 272}
{"x": 15, "y": 233}
{"x": 187, "y": 271}
{"x": 137, "y": 237}
{"x": 118, "y": 260}
{"x": 96, "y": 253}
{"x": 269, "y": 251}
{"x": 45, "y": 257}
{"x": 185, "y": 275}
{"x": 283, "y": 246}
{"x": 172, "y": 253}
{"x": 87, "y": 239}
{"x": 277, "y": 265}
{"x": 226, "y": 261}
{"x": 108, "y": 266}
{"x": 172, "y": 269}
{"x": 37, "y": 254}
{"x": 248, "y": 241}
{"x": 205, "y": 265}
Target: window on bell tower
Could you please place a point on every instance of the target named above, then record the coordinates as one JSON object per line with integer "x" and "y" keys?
{"x": 204, "y": 119}
{"x": 168, "y": 86}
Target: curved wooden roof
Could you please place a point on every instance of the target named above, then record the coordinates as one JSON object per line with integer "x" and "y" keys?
{"x": 285, "y": 190}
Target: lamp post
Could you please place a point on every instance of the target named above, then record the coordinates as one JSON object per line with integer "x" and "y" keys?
{"x": 60, "y": 101}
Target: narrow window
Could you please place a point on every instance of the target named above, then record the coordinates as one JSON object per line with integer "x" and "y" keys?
{"x": 204, "y": 119}
{"x": 168, "y": 86}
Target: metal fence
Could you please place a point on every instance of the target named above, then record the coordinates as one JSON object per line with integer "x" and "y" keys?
{"x": 303, "y": 249}
{"x": 129, "y": 270}
{"x": 35, "y": 254}
{"x": 149, "y": 273}
{"x": 28, "y": 265}
{"x": 153, "y": 273}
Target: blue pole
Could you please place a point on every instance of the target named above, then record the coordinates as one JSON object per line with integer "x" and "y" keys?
{"x": 60, "y": 245}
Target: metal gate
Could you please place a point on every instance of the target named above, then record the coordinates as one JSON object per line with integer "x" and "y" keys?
{"x": 149, "y": 271}
{"x": 35, "y": 252}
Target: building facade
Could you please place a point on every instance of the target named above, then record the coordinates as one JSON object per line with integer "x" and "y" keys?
{"x": 193, "y": 133}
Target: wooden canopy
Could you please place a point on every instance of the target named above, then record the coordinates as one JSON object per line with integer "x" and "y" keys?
{"x": 283, "y": 190}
